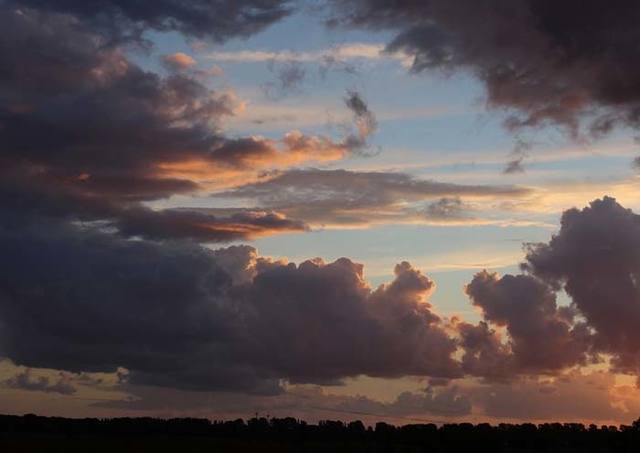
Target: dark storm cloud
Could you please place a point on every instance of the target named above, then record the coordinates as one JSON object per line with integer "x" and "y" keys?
{"x": 95, "y": 111}
{"x": 179, "y": 315}
{"x": 85, "y": 130}
{"x": 26, "y": 381}
{"x": 328, "y": 309}
{"x": 546, "y": 62}
{"x": 218, "y": 20}
{"x": 102, "y": 123}
{"x": 80, "y": 300}
{"x": 595, "y": 257}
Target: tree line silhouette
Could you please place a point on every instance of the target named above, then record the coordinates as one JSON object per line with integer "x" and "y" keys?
{"x": 290, "y": 434}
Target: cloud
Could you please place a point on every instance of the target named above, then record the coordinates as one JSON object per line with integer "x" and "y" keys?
{"x": 344, "y": 198}
{"x": 542, "y": 337}
{"x": 447, "y": 402}
{"x": 292, "y": 68}
{"x": 485, "y": 353}
{"x": 170, "y": 224}
{"x": 290, "y": 76}
{"x": 112, "y": 136}
{"x": 212, "y": 19}
{"x": 595, "y": 259}
{"x": 570, "y": 64}
{"x": 179, "y": 315}
{"x": 310, "y": 403}
{"x": 364, "y": 120}
{"x": 514, "y": 166}
{"x": 27, "y": 202}
{"x": 571, "y": 397}
{"x": 25, "y": 381}
{"x": 76, "y": 297}
{"x": 447, "y": 208}
{"x": 178, "y": 61}
{"x": 334, "y": 55}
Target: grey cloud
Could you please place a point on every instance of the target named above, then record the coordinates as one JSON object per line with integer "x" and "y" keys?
{"x": 485, "y": 353}
{"x": 595, "y": 258}
{"x": 364, "y": 120}
{"x": 86, "y": 134}
{"x": 447, "y": 208}
{"x": 290, "y": 76}
{"x": 541, "y": 338}
{"x": 569, "y": 63}
{"x": 77, "y": 299}
{"x": 28, "y": 201}
{"x": 514, "y": 166}
{"x": 364, "y": 188}
{"x": 351, "y": 197}
{"x": 218, "y": 20}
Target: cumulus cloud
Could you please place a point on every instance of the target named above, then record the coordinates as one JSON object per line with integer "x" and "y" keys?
{"x": 595, "y": 259}
{"x": 179, "y": 315}
{"x": 569, "y": 63}
{"x": 486, "y": 354}
{"x": 542, "y": 338}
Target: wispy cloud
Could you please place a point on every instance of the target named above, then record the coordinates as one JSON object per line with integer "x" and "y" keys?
{"x": 352, "y": 51}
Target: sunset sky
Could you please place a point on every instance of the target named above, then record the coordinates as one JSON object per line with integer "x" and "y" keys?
{"x": 347, "y": 209}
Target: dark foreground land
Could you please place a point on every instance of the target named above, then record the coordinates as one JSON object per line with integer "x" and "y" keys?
{"x": 31, "y": 433}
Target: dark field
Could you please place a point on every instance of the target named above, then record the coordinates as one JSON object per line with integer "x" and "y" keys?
{"x": 31, "y": 433}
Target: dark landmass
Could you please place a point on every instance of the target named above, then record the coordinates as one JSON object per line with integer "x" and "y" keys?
{"x": 32, "y": 433}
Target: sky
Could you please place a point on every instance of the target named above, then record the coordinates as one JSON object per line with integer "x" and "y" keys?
{"x": 358, "y": 209}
